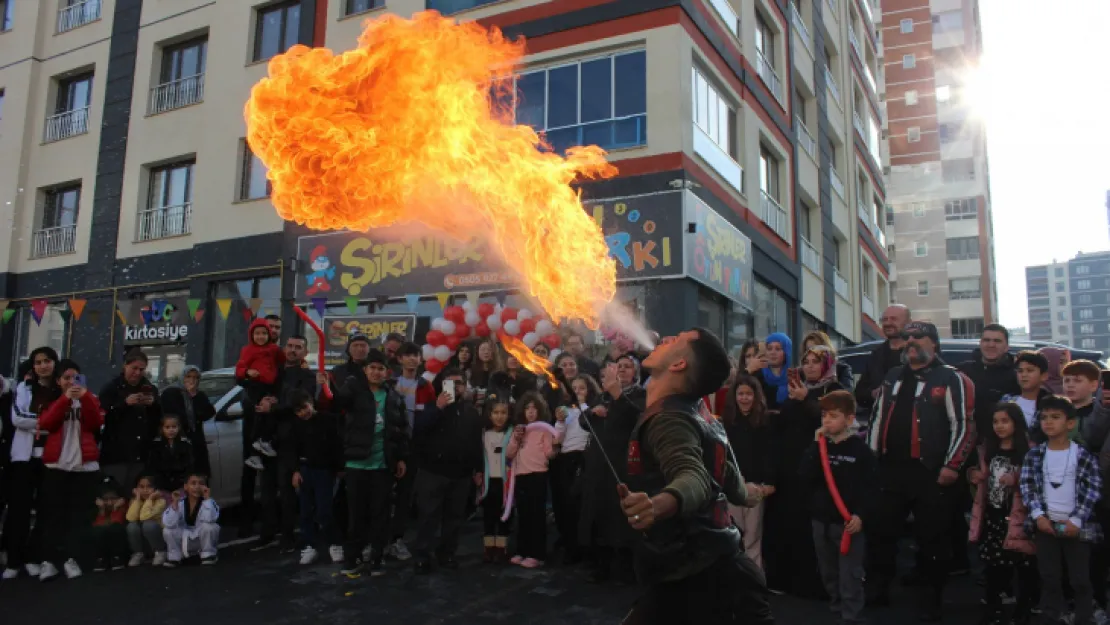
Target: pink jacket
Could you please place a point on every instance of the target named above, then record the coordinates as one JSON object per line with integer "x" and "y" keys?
{"x": 1016, "y": 538}
{"x": 531, "y": 451}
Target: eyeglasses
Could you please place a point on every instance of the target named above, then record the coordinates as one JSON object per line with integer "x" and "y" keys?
{"x": 913, "y": 335}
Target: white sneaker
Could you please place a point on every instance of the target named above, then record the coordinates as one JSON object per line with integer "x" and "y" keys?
{"x": 308, "y": 555}
{"x": 10, "y": 574}
{"x": 336, "y": 553}
{"x": 366, "y": 553}
{"x": 255, "y": 463}
{"x": 72, "y": 570}
{"x": 266, "y": 449}
{"x": 1101, "y": 618}
{"x": 136, "y": 559}
{"x": 34, "y": 570}
{"x": 48, "y": 571}
{"x": 400, "y": 551}
{"x": 159, "y": 558}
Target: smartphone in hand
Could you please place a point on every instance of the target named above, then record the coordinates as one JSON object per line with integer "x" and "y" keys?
{"x": 449, "y": 388}
{"x": 81, "y": 380}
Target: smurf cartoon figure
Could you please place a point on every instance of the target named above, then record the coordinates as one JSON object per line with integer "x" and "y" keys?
{"x": 322, "y": 272}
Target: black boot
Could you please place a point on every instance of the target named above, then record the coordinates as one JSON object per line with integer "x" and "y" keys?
{"x": 877, "y": 594}
{"x": 930, "y": 604}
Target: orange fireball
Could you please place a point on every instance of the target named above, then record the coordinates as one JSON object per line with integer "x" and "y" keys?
{"x": 528, "y": 358}
{"x": 400, "y": 129}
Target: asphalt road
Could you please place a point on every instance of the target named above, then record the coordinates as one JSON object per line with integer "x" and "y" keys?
{"x": 268, "y": 588}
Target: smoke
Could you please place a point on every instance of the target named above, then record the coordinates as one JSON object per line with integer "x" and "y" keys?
{"x": 618, "y": 316}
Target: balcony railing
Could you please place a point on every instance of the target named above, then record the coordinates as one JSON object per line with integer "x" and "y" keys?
{"x": 831, "y": 86}
{"x": 866, "y": 4}
{"x": 965, "y": 295}
{"x": 840, "y": 285}
{"x": 852, "y": 39}
{"x": 774, "y": 216}
{"x": 867, "y": 306}
{"x": 54, "y": 241}
{"x": 718, "y": 159}
{"x": 811, "y": 259}
{"x": 804, "y": 138}
{"x": 870, "y": 79}
{"x": 67, "y": 124}
{"x": 728, "y": 15}
{"x": 164, "y": 222}
{"x": 857, "y": 123}
{"x": 837, "y": 183}
{"x": 879, "y": 235}
{"x": 77, "y": 15}
{"x": 767, "y": 73}
{"x": 800, "y": 26}
{"x": 176, "y": 94}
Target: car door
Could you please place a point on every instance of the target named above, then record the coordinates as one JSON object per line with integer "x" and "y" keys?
{"x": 228, "y": 460}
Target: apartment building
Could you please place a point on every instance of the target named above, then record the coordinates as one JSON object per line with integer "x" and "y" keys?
{"x": 1069, "y": 302}
{"x": 755, "y": 121}
{"x": 939, "y": 177}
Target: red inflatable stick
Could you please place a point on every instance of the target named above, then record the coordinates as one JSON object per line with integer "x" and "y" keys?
{"x": 846, "y": 539}
{"x": 320, "y": 354}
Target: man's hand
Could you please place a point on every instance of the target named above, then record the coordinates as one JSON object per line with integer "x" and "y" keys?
{"x": 975, "y": 476}
{"x": 133, "y": 399}
{"x": 400, "y": 473}
{"x": 443, "y": 401}
{"x": 855, "y": 525}
{"x": 297, "y": 479}
{"x": 321, "y": 378}
{"x": 600, "y": 411}
{"x": 148, "y": 399}
{"x": 479, "y": 479}
{"x": 1070, "y": 530}
{"x": 252, "y": 373}
{"x": 638, "y": 507}
{"x": 1045, "y": 526}
{"x": 947, "y": 477}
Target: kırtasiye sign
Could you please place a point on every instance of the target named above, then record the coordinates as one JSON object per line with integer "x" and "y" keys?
{"x": 155, "y": 334}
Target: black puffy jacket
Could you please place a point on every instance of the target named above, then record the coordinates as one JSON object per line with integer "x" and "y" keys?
{"x": 357, "y": 401}
{"x": 128, "y": 430}
{"x": 992, "y": 382}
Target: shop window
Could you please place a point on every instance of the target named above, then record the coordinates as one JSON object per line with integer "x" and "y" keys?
{"x": 773, "y": 311}
{"x": 228, "y": 336}
{"x": 51, "y": 332}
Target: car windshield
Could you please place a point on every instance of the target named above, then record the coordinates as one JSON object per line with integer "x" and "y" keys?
{"x": 216, "y": 386}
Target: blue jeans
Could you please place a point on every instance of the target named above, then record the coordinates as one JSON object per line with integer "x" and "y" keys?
{"x": 315, "y": 495}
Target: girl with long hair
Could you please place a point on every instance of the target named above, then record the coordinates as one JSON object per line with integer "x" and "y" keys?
{"x": 749, "y": 434}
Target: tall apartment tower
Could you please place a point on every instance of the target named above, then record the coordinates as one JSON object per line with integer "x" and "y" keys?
{"x": 1069, "y": 302}
{"x": 938, "y": 178}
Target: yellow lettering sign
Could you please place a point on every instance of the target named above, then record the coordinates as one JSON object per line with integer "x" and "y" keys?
{"x": 363, "y": 262}
{"x": 723, "y": 241}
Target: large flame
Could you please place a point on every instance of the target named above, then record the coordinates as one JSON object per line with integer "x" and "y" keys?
{"x": 402, "y": 129}
{"x": 529, "y": 359}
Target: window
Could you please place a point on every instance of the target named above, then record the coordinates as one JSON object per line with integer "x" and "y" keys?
{"x": 229, "y": 335}
{"x": 447, "y": 7}
{"x": 181, "y": 82}
{"x": 7, "y": 6}
{"x": 919, "y": 209}
{"x": 865, "y": 278}
{"x": 964, "y": 288}
{"x": 911, "y": 97}
{"x": 963, "y": 248}
{"x": 964, "y": 208}
{"x": 922, "y": 287}
{"x": 957, "y": 170}
{"x": 836, "y": 254}
{"x": 948, "y": 21}
{"x": 600, "y": 102}
{"x": 920, "y": 249}
{"x": 714, "y": 115}
{"x": 71, "y": 108}
{"x": 1079, "y": 270}
{"x": 1061, "y": 301}
{"x": 1087, "y": 328}
{"x": 1086, "y": 313}
{"x": 76, "y": 13}
{"x": 1061, "y": 329}
{"x": 967, "y": 328}
{"x": 58, "y": 228}
{"x": 909, "y": 61}
{"x": 889, "y": 215}
{"x": 278, "y": 28}
{"x": 906, "y": 26}
{"x": 944, "y": 93}
{"x": 1060, "y": 287}
{"x": 913, "y": 134}
{"x": 1085, "y": 299}
{"x": 253, "y": 181}
{"x": 1061, "y": 315}
{"x": 353, "y": 7}
{"x": 769, "y": 174}
{"x": 169, "y": 205}
{"x": 1083, "y": 285}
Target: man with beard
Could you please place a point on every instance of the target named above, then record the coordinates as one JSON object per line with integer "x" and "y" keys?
{"x": 682, "y": 476}
{"x": 922, "y": 432}
{"x": 358, "y": 346}
{"x": 993, "y": 373}
{"x": 884, "y": 357}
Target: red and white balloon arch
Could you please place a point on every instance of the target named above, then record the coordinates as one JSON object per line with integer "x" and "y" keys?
{"x": 460, "y": 323}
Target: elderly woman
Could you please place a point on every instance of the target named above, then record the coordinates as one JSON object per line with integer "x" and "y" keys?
{"x": 192, "y": 406}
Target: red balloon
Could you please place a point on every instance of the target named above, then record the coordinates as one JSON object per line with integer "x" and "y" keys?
{"x": 508, "y": 313}
{"x": 552, "y": 341}
{"x": 527, "y": 325}
{"x": 482, "y": 329}
{"x": 433, "y": 365}
{"x": 435, "y": 338}
{"x": 485, "y": 309}
{"x": 455, "y": 313}
{"x": 453, "y": 341}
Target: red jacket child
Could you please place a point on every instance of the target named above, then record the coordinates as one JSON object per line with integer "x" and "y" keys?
{"x": 265, "y": 358}
{"x": 54, "y": 417}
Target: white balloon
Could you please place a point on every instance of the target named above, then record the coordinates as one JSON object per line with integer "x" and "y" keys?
{"x": 523, "y": 314}
{"x": 530, "y": 339}
{"x": 443, "y": 353}
{"x": 494, "y": 322}
{"x": 554, "y": 354}
{"x": 429, "y": 352}
{"x": 512, "y": 327}
{"x": 544, "y": 328}
{"x": 467, "y": 306}
{"x": 472, "y": 318}
{"x": 437, "y": 323}
{"x": 447, "y": 327}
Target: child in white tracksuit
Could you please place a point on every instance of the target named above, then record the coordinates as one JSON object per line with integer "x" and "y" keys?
{"x": 190, "y": 525}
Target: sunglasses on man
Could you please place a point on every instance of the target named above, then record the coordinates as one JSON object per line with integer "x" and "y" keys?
{"x": 913, "y": 335}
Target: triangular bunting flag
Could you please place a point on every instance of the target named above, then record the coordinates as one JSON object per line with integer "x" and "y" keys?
{"x": 320, "y": 304}
{"x": 77, "y": 306}
{"x": 443, "y": 298}
{"x": 4, "y": 305}
{"x": 352, "y": 303}
{"x": 381, "y": 301}
{"x": 255, "y": 304}
{"x": 248, "y": 316}
{"x": 65, "y": 314}
{"x": 199, "y": 315}
{"x": 38, "y": 309}
{"x": 194, "y": 306}
{"x": 123, "y": 319}
{"x": 123, "y": 309}
{"x": 94, "y": 317}
{"x": 501, "y": 297}
{"x": 224, "y": 304}
{"x": 8, "y": 314}
{"x": 412, "y": 300}
{"x": 473, "y": 297}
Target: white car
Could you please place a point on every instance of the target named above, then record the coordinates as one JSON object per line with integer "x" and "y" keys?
{"x": 224, "y": 434}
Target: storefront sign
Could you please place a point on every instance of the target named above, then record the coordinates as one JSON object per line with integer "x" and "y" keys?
{"x": 154, "y": 334}
{"x": 644, "y": 235}
{"x": 717, "y": 254}
{"x": 339, "y": 329}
